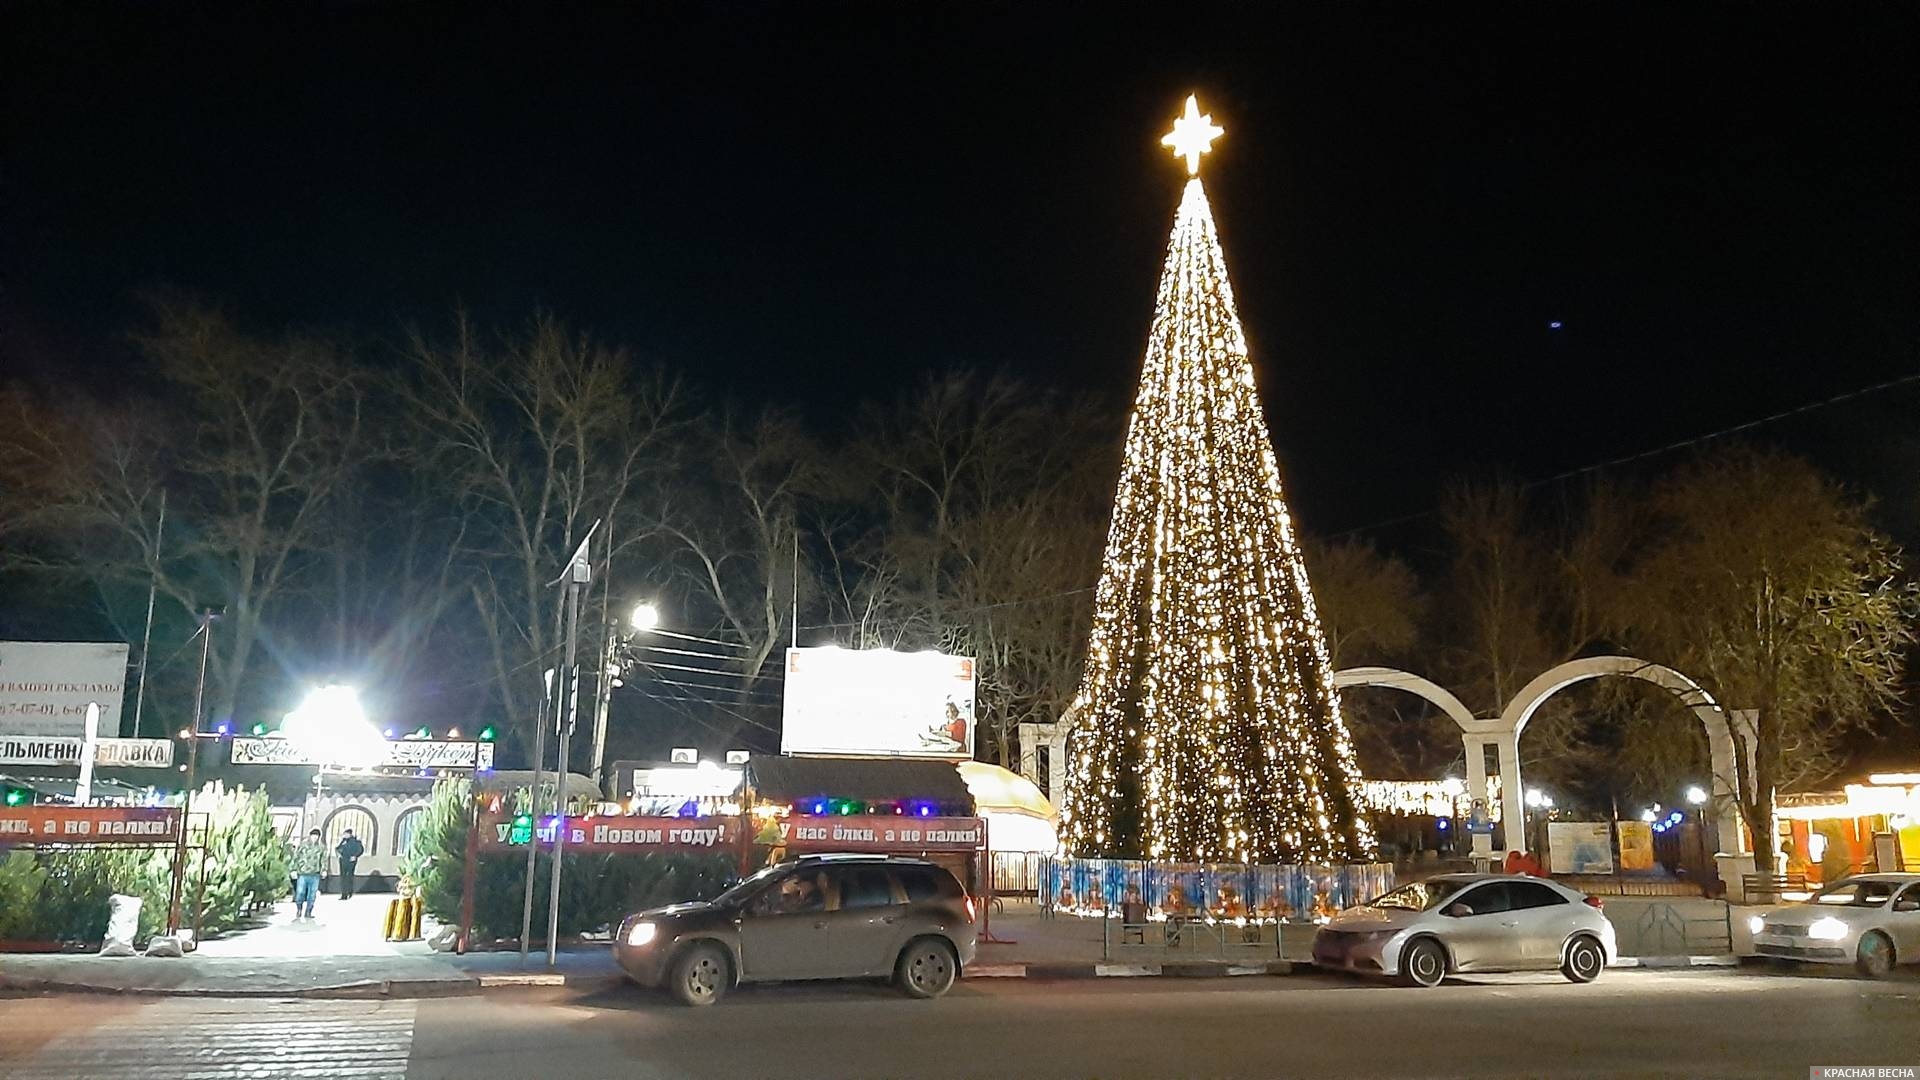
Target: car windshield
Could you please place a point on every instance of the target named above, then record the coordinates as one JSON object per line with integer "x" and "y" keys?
{"x": 1420, "y": 895}
{"x": 745, "y": 888}
{"x": 1855, "y": 893}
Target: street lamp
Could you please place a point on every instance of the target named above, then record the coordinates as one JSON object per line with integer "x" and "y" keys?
{"x": 331, "y": 728}
{"x": 645, "y": 617}
{"x": 1648, "y": 816}
{"x": 1536, "y": 798}
{"x": 1696, "y": 796}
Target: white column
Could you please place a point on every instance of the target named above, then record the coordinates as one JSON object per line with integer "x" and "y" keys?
{"x": 1477, "y": 789}
{"x": 1513, "y": 803}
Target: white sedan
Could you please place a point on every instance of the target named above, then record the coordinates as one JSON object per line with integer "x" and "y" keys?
{"x": 1871, "y": 921}
{"x": 1424, "y": 931}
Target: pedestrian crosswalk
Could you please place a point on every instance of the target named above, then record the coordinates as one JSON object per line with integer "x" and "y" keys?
{"x": 226, "y": 1039}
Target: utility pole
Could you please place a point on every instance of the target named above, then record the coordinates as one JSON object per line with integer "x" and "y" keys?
{"x": 602, "y": 676}
{"x": 207, "y": 616}
{"x": 533, "y": 803}
{"x": 146, "y": 636}
{"x": 578, "y": 577}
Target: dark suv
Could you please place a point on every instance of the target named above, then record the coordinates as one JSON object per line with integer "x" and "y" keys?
{"x": 822, "y": 917}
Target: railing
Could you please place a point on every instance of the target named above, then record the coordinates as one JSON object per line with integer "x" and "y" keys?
{"x": 1206, "y": 892}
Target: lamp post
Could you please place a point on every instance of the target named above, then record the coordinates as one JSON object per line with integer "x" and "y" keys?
{"x": 193, "y": 771}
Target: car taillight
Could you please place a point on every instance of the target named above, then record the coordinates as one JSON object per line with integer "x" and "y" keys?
{"x": 1594, "y": 903}
{"x": 972, "y": 915}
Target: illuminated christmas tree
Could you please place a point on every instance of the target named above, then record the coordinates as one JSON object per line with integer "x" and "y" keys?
{"x": 1209, "y": 725}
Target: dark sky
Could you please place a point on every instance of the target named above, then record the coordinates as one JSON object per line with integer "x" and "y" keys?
{"x": 815, "y": 202}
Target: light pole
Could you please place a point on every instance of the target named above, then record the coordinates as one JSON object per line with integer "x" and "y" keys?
{"x": 207, "y": 616}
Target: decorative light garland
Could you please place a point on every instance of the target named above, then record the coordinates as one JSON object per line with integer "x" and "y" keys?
{"x": 1212, "y": 729}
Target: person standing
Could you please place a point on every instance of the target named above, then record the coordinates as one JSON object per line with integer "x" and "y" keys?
{"x": 349, "y": 852}
{"x": 309, "y": 859}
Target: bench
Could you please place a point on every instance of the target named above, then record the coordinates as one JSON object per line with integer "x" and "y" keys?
{"x": 1761, "y": 886}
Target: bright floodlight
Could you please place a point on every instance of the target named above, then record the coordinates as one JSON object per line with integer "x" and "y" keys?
{"x": 1535, "y": 797}
{"x": 1696, "y": 795}
{"x": 645, "y": 617}
{"x": 1648, "y": 815}
{"x": 330, "y": 727}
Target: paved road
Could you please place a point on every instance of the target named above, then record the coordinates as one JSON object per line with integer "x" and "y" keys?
{"x": 1688, "y": 1024}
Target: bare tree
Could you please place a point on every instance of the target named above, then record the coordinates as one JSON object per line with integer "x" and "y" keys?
{"x": 532, "y": 438}
{"x": 1770, "y": 586}
{"x": 991, "y": 500}
{"x": 253, "y": 439}
{"x": 736, "y": 535}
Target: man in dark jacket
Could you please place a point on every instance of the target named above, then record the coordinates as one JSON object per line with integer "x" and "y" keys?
{"x": 349, "y": 852}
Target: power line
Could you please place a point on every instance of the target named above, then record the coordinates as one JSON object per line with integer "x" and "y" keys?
{"x": 1669, "y": 448}
{"x": 1735, "y": 429}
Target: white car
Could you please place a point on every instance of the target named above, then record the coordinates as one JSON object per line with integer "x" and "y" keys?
{"x": 1871, "y": 921}
{"x": 1424, "y": 931}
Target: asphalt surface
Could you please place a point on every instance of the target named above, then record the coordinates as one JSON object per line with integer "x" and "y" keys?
{"x": 1631, "y": 1023}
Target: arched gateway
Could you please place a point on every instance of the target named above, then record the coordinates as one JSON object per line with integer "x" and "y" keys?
{"x": 1503, "y": 734}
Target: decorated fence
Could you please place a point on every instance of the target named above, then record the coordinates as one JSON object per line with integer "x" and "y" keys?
{"x": 1223, "y": 891}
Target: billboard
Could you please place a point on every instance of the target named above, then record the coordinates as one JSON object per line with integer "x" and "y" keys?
{"x": 1579, "y": 847}
{"x": 46, "y": 686}
{"x": 878, "y": 703}
{"x": 87, "y": 824}
{"x": 881, "y": 833}
{"x": 616, "y": 834}
{"x": 1636, "y": 845}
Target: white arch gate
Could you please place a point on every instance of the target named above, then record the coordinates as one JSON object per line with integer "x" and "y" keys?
{"x": 1503, "y": 734}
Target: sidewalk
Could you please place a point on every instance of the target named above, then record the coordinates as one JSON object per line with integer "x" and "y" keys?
{"x": 342, "y": 954}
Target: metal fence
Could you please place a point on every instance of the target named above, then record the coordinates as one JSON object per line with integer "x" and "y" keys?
{"x": 1205, "y": 891}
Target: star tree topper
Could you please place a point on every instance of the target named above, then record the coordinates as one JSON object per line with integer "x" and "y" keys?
{"x": 1192, "y": 135}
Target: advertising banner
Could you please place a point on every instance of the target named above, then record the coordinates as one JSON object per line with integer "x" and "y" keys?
{"x": 617, "y": 834}
{"x": 87, "y": 824}
{"x": 46, "y": 686}
{"x": 138, "y": 753}
{"x": 878, "y": 703}
{"x": 401, "y": 754}
{"x": 1579, "y": 847}
{"x": 855, "y": 832}
{"x": 1636, "y": 844}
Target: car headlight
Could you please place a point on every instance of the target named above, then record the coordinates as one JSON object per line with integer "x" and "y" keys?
{"x": 1757, "y": 924}
{"x": 1827, "y": 929}
{"x": 641, "y": 933}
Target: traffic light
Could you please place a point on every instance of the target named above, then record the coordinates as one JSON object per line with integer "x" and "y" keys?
{"x": 17, "y": 796}
{"x": 486, "y": 734}
{"x": 522, "y": 831}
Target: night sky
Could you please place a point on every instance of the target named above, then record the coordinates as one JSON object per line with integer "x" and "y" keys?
{"x": 817, "y": 202}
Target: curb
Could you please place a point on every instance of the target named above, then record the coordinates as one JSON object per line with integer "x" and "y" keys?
{"x": 371, "y": 988}
{"x": 1182, "y": 970}
{"x": 1654, "y": 963}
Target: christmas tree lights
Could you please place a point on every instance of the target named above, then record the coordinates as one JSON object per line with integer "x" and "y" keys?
{"x": 1210, "y": 727}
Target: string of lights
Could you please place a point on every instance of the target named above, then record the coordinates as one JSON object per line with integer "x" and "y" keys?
{"x": 1211, "y": 728}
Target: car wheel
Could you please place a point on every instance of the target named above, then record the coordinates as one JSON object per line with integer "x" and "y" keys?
{"x": 1874, "y": 957}
{"x": 1585, "y": 960}
{"x": 927, "y": 968}
{"x": 1423, "y": 964}
{"x": 700, "y": 976}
